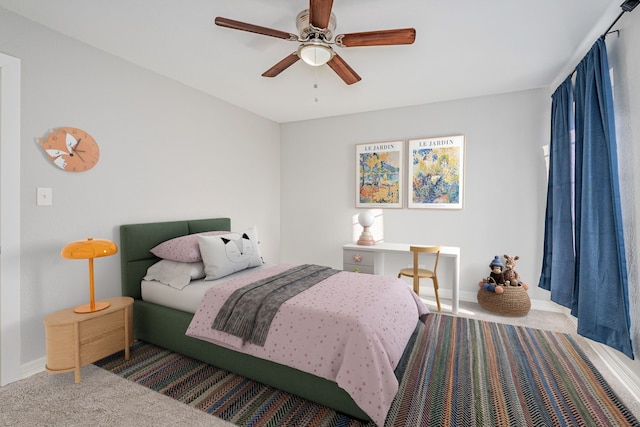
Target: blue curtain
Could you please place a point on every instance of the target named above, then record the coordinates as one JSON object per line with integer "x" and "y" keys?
{"x": 601, "y": 298}
{"x": 558, "y": 263}
{"x": 599, "y": 289}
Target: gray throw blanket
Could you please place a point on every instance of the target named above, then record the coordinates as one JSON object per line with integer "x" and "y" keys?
{"x": 249, "y": 310}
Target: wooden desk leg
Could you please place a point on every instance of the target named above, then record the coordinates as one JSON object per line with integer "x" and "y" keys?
{"x": 76, "y": 355}
{"x": 126, "y": 333}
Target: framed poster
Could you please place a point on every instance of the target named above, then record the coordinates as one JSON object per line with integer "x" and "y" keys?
{"x": 436, "y": 172}
{"x": 379, "y": 174}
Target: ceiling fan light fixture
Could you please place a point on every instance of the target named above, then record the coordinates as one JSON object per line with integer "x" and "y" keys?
{"x": 315, "y": 53}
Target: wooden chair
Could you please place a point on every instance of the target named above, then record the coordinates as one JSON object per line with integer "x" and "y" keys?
{"x": 420, "y": 273}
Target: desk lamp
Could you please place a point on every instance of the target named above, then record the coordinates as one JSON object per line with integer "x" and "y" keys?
{"x": 90, "y": 249}
{"x": 366, "y": 220}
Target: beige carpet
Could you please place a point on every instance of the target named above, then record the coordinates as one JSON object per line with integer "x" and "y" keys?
{"x": 100, "y": 399}
{"x": 104, "y": 399}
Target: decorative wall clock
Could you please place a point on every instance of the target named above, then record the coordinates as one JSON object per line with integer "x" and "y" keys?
{"x": 71, "y": 149}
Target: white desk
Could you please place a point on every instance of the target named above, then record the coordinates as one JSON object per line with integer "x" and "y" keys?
{"x": 370, "y": 259}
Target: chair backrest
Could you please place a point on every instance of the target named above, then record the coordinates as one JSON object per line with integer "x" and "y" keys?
{"x": 429, "y": 249}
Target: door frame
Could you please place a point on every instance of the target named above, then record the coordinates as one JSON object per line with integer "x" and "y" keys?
{"x": 10, "y": 339}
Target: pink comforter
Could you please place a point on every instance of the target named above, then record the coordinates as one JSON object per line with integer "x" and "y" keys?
{"x": 351, "y": 328}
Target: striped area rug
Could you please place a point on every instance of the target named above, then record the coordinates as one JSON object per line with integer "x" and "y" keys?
{"x": 455, "y": 372}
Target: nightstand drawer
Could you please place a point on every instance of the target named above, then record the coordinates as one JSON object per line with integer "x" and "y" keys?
{"x": 98, "y": 347}
{"x": 92, "y": 328}
{"x": 356, "y": 257}
{"x": 367, "y": 269}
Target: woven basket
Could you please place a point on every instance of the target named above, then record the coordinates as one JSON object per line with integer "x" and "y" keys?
{"x": 514, "y": 301}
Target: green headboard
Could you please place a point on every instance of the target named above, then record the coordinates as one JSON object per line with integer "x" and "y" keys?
{"x": 137, "y": 239}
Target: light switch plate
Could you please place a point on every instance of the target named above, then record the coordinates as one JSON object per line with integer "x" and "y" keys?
{"x": 44, "y": 197}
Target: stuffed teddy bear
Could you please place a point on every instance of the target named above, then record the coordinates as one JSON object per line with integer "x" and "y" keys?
{"x": 511, "y": 276}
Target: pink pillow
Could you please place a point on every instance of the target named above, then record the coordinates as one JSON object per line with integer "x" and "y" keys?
{"x": 184, "y": 248}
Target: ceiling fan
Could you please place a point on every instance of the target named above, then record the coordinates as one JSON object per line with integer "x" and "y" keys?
{"x": 316, "y": 26}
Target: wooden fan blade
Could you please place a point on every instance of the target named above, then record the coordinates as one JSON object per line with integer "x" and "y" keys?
{"x": 377, "y": 38}
{"x": 320, "y": 12}
{"x": 282, "y": 65}
{"x": 243, "y": 26}
{"x": 343, "y": 70}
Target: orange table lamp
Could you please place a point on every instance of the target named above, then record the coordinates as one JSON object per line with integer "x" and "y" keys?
{"x": 90, "y": 249}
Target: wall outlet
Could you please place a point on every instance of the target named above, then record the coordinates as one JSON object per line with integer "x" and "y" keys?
{"x": 44, "y": 197}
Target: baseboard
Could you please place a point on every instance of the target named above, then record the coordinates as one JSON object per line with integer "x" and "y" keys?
{"x": 33, "y": 367}
{"x": 614, "y": 362}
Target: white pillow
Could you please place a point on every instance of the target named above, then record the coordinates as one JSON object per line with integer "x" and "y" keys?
{"x": 175, "y": 274}
{"x": 228, "y": 253}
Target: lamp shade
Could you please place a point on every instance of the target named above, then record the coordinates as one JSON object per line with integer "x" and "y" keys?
{"x": 90, "y": 248}
{"x": 366, "y": 218}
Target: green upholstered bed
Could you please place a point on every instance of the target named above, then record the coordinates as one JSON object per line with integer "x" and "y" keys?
{"x": 166, "y": 327}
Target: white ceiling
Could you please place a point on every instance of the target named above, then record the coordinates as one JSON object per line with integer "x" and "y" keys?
{"x": 463, "y": 48}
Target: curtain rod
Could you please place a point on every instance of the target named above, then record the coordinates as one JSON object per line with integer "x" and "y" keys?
{"x": 614, "y": 23}
{"x": 627, "y": 6}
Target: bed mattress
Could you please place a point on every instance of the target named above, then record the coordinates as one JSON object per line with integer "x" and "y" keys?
{"x": 189, "y": 298}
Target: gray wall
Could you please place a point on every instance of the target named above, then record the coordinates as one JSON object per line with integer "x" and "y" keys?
{"x": 625, "y": 64}
{"x": 505, "y": 184}
{"x": 167, "y": 152}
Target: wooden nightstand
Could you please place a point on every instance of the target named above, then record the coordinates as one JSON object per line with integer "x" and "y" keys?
{"x": 75, "y": 340}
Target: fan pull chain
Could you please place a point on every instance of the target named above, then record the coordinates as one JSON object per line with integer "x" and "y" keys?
{"x": 315, "y": 85}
